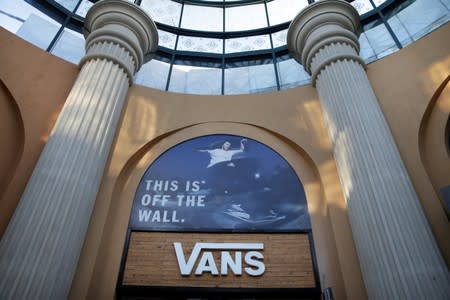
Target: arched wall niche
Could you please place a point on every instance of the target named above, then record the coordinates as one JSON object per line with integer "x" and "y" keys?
{"x": 434, "y": 142}
{"x": 104, "y": 268}
{"x": 12, "y": 139}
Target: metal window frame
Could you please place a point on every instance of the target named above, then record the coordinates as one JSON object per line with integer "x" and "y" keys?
{"x": 75, "y": 22}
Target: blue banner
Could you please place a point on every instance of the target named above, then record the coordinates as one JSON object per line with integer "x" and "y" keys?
{"x": 223, "y": 183}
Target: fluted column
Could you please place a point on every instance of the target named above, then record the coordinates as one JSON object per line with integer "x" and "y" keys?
{"x": 397, "y": 251}
{"x": 40, "y": 249}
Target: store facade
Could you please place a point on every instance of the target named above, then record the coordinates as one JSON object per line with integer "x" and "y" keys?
{"x": 146, "y": 193}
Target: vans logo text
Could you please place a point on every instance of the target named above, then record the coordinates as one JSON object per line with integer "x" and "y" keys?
{"x": 253, "y": 259}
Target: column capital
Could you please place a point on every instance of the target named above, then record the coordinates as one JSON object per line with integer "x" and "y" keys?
{"x": 124, "y": 25}
{"x": 321, "y": 24}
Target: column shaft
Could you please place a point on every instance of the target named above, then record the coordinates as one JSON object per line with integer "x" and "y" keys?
{"x": 396, "y": 246}
{"x": 40, "y": 249}
{"x": 398, "y": 254}
{"x": 55, "y": 208}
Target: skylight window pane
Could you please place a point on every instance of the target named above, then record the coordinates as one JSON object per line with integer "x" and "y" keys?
{"x": 68, "y": 4}
{"x": 202, "y": 18}
{"x": 422, "y": 16}
{"x": 245, "y": 17}
{"x": 163, "y": 11}
{"x": 366, "y": 51}
{"x": 379, "y": 39}
{"x": 197, "y": 44}
{"x": 250, "y": 43}
{"x": 279, "y": 38}
{"x": 15, "y": 12}
{"x": 196, "y": 80}
{"x": 291, "y": 74}
{"x": 281, "y": 11}
{"x": 379, "y": 2}
{"x": 84, "y": 7}
{"x": 70, "y": 46}
{"x": 362, "y": 6}
{"x": 252, "y": 79}
{"x": 166, "y": 39}
{"x": 153, "y": 74}
{"x": 446, "y": 3}
{"x": 42, "y": 37}
{"x": 9, "y": 22}
{"x": 400, "y": 31}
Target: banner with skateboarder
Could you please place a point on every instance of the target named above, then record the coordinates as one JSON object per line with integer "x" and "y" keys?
{"x": 220, "y": 183}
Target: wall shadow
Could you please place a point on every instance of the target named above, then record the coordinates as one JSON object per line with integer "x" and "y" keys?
{"x": 12, "y": 140}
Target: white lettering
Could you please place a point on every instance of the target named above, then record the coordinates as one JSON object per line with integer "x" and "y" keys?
{"x": 207, "y": 264}
{"x": 186, "y": 267}
{"x": 144, "y": 215}
{"x": 253, "y": 259}
{"x": 165, "y": 219}
{"x": 145, "y": 201}
{"x": 165, "y": 216}
{"x": 174, "y": 217}
{"x": 227, "y": 261}
{"x": 156, "y": 216}
{"x": 180, "y": 199}
{"x": 174, "y": 185}
{"x": 200, "y": 201}
{"x": 161, "y": 185}
{"x": 160, "y": 198}
{"x": 190, "y": 201}
{"x": 195, "y": 186}
{"x": 158, "y": 185}
{"x": 147, "y": 186}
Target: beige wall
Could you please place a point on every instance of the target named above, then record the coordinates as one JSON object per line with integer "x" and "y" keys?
{"x": 434, "y": 139}
{"x": 33, "y": 88}
{"x": 410, "y": 85}
{"x": 407, "y": 86}
{"x": 290, "y": 122}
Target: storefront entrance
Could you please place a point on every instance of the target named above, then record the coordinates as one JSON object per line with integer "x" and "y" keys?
{"x": 219, "y": 217}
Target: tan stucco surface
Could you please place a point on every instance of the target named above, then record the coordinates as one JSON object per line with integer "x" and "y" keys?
{"x": 34, "y": 88}
{"x": 405, "y": 84}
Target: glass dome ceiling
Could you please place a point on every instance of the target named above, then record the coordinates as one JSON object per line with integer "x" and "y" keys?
{"x": 222, "y": 47}
{"x": 230, "y": 28}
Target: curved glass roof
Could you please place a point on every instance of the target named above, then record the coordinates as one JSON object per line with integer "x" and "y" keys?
{"x": 222, "y": 47}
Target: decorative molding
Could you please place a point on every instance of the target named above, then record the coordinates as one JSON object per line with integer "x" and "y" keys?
{"x": 124, "y": 25}
{"x": 322, "y": 24}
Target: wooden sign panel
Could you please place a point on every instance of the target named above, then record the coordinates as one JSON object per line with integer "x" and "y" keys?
{"x": 152, "y": 261}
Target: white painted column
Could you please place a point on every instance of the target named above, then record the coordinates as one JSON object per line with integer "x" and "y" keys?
{"x": 40, "y": 249}
{"x": 398, "y": 254}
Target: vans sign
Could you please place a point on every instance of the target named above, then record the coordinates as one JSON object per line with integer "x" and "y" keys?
{"x": 234, "y": 257}
{"x": 166, "y": 260}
